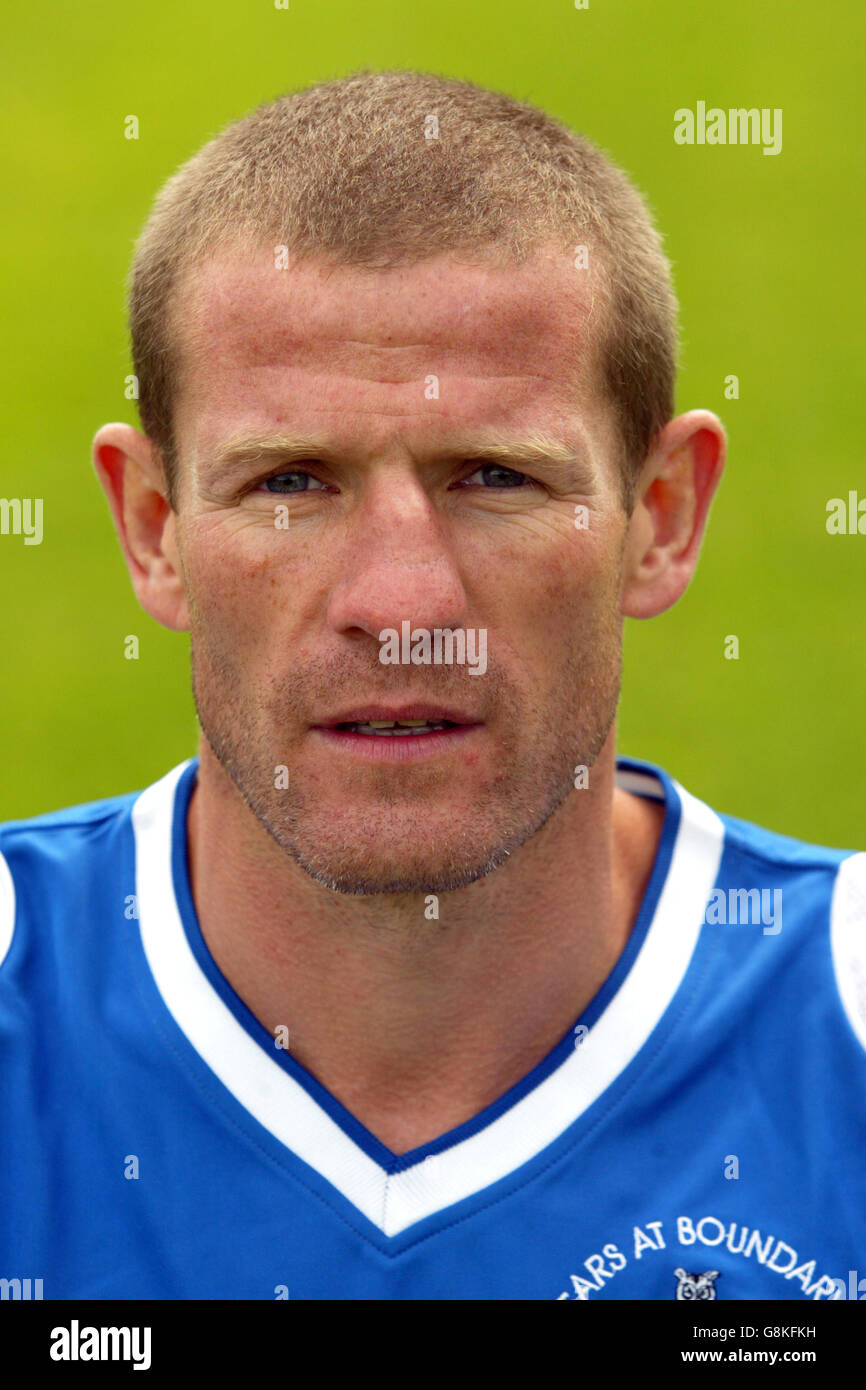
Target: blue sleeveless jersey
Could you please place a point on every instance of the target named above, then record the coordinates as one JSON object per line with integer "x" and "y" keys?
{"x": 699, "y": 1132}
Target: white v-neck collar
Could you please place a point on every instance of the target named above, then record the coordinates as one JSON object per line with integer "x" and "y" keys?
{"x": 394, "y": 1201}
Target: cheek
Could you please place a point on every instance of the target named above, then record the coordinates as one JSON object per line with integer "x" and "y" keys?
{"x": 244, "y": 590}
{"x": 573, "y": 591}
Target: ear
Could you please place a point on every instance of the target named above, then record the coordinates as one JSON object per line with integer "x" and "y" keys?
{"x": 677, "y": 485}
{"x": 130, "y": 470}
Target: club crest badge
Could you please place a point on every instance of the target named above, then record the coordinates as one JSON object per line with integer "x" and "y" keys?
{"x": 696, "y": 1285}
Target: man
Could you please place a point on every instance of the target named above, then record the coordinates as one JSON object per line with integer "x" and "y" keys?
{"x": 405, "y": 988}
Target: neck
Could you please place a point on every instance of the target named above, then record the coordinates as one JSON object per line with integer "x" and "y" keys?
{"x": 413, "y": 1024}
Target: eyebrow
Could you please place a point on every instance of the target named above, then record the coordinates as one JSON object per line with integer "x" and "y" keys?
{"x": 534, "y": 450}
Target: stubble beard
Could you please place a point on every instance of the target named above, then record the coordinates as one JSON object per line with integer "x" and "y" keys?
{"x": 410, "y": 838}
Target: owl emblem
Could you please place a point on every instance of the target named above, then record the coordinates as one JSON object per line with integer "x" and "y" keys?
{"x": 696, "y": 1285}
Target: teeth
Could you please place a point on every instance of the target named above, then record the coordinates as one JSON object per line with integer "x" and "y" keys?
{"x": 396, "y": 728}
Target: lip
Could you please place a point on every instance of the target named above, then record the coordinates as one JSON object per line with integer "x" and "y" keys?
{"x": 362, "y": 714}
{"x": 402, "y": 749}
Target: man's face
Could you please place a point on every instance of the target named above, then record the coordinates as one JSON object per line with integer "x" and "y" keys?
{"x": 394, "y": 382}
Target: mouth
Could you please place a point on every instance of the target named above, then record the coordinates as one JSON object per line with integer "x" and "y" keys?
{"x": 404, "y": 732}
{"x": 396, "y": 728}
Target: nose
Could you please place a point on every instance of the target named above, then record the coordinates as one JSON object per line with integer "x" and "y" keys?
{"x": 397, "y": 562}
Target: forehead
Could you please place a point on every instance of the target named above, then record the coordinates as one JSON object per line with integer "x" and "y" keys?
{"x": 259, "y": 345}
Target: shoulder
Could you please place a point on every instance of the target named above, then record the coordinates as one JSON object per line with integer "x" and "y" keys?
{"x": 782, "y": 852}
{"x": 848, "y": 939}
{"x": 812, "y": 883}
{"x": 56, "y": 864}
{"x": 812, "y": 899}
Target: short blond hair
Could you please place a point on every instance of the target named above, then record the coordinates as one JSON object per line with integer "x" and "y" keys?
{"x": 382, "y": 168}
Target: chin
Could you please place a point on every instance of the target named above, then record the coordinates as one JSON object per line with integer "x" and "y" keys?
{"x": 362, "y": 884}
{"x": 437, "y": 868}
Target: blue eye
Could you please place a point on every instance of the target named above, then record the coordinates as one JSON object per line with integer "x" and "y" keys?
{"x": 496, "y": 475}
{"x": 299, "y": 481}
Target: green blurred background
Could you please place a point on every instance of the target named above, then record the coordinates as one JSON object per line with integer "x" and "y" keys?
{"x": 767, "y": 255}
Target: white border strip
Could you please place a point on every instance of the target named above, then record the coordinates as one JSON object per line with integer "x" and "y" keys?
{"x": 848, "y": 940}
{"x": 546, "y": 1112}
{"x": 394, "y": 1202}
{"x": 256, "y": 1080}
{"x": 641, "y": 783}
{"x": 7, "y": 908}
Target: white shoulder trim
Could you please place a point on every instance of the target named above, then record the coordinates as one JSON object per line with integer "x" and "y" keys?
{"x": 641, "y": 783}
{"x": 7, "y": 909}
{"x": 848, "y": 940}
